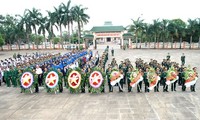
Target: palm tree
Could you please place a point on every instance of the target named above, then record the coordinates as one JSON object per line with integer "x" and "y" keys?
{"x": 164, "y": 31}
{"x": 156, "y": 30}
{"x": 51, "y": 23}
{"x": 137, "y": 27}
{"x": 42, "y": 28}
{"x": 198, "y": 31}
{"x": 81, "y": 18}
{"x": 35, "y": 17}
{"x": 66, "y": 16}
{"x": 59, "y": 20}
{"x": 191, "y": 29}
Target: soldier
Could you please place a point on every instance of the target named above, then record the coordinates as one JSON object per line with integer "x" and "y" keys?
{"x": 104, "y": 76}
{"x": 180, "y": 71}
{"x": 124, "y": 69}
{"x": 139, "y": 85}
{"x": 192, "y": 87}
{"x": 87, "y": 77}
{"x": 120, "y": 65}
{"x": 19, "y": 80}
{"x": 156, "y": 88}
{"x": 35, "y": 77}
{"x": 128, "y": 79}
{"x": 7, "y": 77}
{"x": 163, "y": 79}
{"x": 44, "y": 78}
{"x": 83, "y": 80}
{"x": 146, "y": 83}
{"x": 112, "y": 51}
{"x": 108, "y": 78}
{"x": 183, "y": 59}
{"x": 120, "y": 84}
{"x": 39, "y": 73}
{"x": 173, "y": 85}
{"x": 60, "y": 81}
{"x": 14, "y": 76}
{"x": 168, "y": 56}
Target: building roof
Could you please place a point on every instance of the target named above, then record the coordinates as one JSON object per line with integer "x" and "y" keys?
{"x": 88, "y": 36}
{"x": 127, "y": 35}
{"x": 107, "y": 29}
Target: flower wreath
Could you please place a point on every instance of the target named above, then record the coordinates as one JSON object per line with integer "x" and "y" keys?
{"x": 100, "y": 87}
{"x": 69, "y": 86}
{"x": 52, "y": 88}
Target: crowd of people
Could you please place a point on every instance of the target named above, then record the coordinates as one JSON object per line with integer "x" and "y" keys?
{"x": 161, "y": 69}
{"x": 40, "y": 64}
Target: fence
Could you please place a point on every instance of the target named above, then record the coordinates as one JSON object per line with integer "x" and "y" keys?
{"x": 167, "y": 45}
{"x": 41, "y": 47}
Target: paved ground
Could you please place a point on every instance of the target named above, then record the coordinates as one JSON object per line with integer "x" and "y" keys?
{"x": 108, "y": 106}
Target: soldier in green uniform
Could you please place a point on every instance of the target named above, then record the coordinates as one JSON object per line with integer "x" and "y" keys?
{"x": 156, "y": 88}
{"x": 163, "y": 79}
{"x": 19, "y": 75}
{"x": 84, "y": 75}
{"x": 14, "y": 76}
{"x": 112, "y": 51}
{"x": 183, "y": 59}
{"x": 146, "y": 83}
{"x": 192, "y": 87}
{"x": 104, "y": 78}
{"x": 87, "y": 79}
{"x": 124, "y": 69}
{"x": 120, "y": 65}
{"x": 139, "y": 85}
{"x": 168, "y": 56}
{"x": 128, "y": 79}
{"x": 35, "y": 77}
{"x": 7, "y": 77}
{"x": 121, "y": 82}
{"x": 44, "y": 78}
{"x": 108, "y": 79}
{"x": 180, "y": 72}
{"x": 173, "y": 85}
{"x": 60, "y": 81}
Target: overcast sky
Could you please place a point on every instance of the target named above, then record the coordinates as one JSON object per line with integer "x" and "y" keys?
{"x": 120, "y": 12}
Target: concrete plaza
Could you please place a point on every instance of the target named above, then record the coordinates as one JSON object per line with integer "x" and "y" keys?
{"x": 107, "y": 106}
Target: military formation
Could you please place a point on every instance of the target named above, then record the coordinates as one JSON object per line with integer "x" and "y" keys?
{"x": 40, "y": 64}
{"x": 161, "y": 69}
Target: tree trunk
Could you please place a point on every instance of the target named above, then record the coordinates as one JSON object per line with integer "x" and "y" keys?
{"x": 190, "y": 42}
{"x": 61, "y": 40}
{"x": 172, "y": 42}
{"x": 199, "y": 42}
{"x": 180, "y": 42}
{"x": 27, "y": 36}
{"x": 2, "y": 48}
{"x": 11, "y": 47}
{"x": 71, "y": 32}
{"x": 19, "y": 41}
{"x": 68, "y": 31}
{"x": 163, "y": 44}
{"x": 155, "y": 43}
{"x": 79, "y": 33}
{"x": 136, "y": 42}
{"x": 45, "y": 42}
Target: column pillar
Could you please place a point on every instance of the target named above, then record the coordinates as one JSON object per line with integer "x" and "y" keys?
{"x": 94, "y": 43}
{"x": 129, "y": 42}
{"x": 122, "y": 42}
